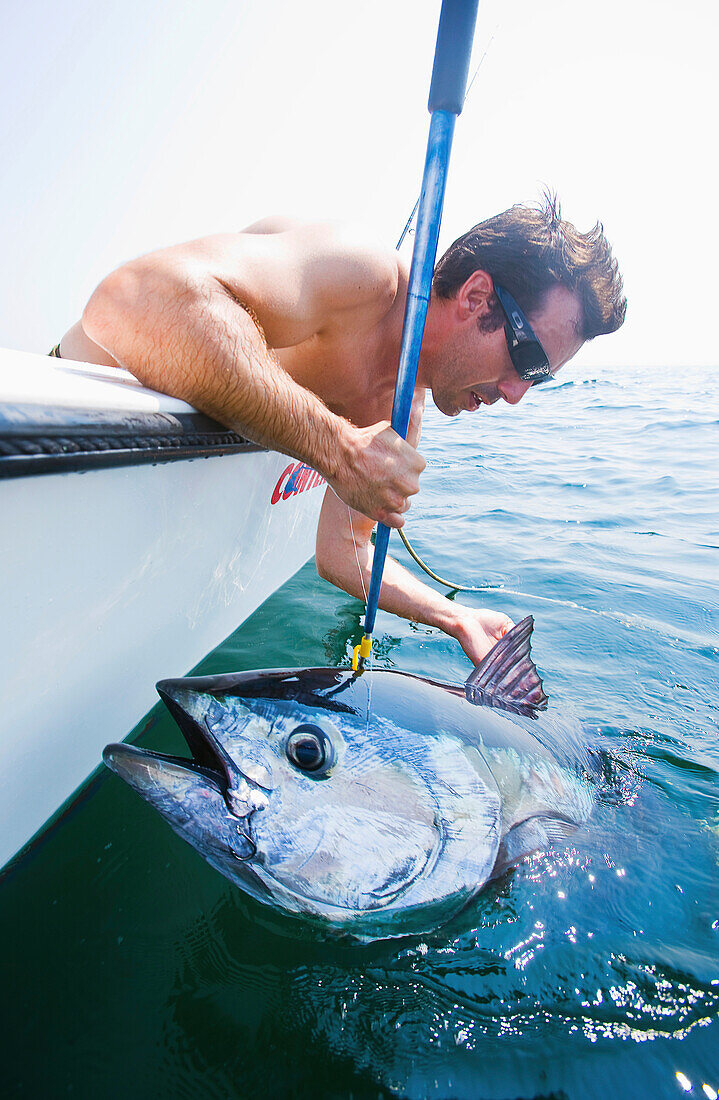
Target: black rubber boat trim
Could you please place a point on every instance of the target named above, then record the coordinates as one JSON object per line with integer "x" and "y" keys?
{"x": 38, "y": 440}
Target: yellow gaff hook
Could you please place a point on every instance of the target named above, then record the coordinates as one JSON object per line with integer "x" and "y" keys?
{"x": 362, "y": 653}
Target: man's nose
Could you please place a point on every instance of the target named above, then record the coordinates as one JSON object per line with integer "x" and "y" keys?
{"x": 513, "y": 389}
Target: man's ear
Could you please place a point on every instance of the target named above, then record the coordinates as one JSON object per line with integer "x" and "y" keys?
{"x": 473, "y": 297}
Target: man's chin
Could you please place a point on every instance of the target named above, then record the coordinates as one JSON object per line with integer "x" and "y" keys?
{"x": 446, "y": 406}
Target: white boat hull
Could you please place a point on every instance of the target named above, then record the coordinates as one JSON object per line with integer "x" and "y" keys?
{"x": 114, "y": 578}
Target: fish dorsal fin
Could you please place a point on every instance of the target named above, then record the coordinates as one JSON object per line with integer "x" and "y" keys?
{"x": 507, "y": 677}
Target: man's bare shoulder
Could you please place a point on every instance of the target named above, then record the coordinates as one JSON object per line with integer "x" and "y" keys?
{"x": 347, "y": 263}
{"x": 324, "y": 273}
{"x": 351, "y": 237}
{"x": 298, "y": 278}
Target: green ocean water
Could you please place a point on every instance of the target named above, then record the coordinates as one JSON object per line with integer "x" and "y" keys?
{"x": 132, "y": 969}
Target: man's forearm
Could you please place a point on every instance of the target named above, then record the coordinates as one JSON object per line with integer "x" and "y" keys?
{"x": 401, "y": 593}
{"x": 182, "y": 332}
{"x": 211, "y": 353}
{"x": 344, "y": 557}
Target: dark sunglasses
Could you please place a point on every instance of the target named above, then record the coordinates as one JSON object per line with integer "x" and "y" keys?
{"x": 529, "y": 358}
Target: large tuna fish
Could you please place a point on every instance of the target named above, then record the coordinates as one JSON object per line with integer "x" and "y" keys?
{"x": 378, "y": 802}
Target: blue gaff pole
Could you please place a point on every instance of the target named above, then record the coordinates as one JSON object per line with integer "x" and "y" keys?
{"x": 446, "y": 98}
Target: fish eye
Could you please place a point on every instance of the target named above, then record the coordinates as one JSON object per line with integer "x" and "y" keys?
{"x": 308, "y": 748}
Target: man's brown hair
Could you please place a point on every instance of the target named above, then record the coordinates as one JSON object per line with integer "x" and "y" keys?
{"x": 530, "y": 249}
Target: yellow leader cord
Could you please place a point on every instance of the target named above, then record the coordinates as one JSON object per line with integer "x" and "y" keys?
{"x": 362, "y": 653}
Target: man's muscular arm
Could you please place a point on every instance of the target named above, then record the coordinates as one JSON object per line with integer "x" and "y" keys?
{"x": 341, "y": 545}
{"x": 191, "y": 321}
{"x": 343, "y": 541}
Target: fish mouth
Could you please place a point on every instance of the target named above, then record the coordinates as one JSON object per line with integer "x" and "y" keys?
{"x": 145, "y": 769}
{"x": 246, "y": 787}
{"x": 207, "y": 799}
{"x": 184, "y": 792}
{"x": 184, "y": 705}
{"x": 147, "y": 772}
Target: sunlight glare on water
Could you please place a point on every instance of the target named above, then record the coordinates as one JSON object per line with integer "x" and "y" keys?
{"x": 592, "y": 968}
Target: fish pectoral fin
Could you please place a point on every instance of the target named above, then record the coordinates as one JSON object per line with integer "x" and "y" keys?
{"x": 534, "y": 834}
{"x": 507, "y": 677}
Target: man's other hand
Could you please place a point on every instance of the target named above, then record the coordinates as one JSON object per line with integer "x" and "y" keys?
{"x": 478, "y": 631}
{"x": 377, "y": 473}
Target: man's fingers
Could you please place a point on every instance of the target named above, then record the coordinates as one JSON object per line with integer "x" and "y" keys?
{"x": 405, "y": 485}
{"x": 390, "y": 511}
{"x": 382, "y": 475}
{"x": 392, "y": 519}
{"x": 410, "y": 488}
{"x": 396, "y": 502}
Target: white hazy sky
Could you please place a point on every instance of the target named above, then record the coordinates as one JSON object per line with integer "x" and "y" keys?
{"x": 128, "y": 125}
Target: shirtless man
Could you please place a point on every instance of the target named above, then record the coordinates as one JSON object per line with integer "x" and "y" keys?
{"x": 290, "y": 335}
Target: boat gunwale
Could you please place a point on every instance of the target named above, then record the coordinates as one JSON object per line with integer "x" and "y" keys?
{"x": 37, "y": 440}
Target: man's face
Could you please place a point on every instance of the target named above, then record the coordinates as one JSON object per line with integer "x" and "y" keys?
{"x": 474, "y": 368}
